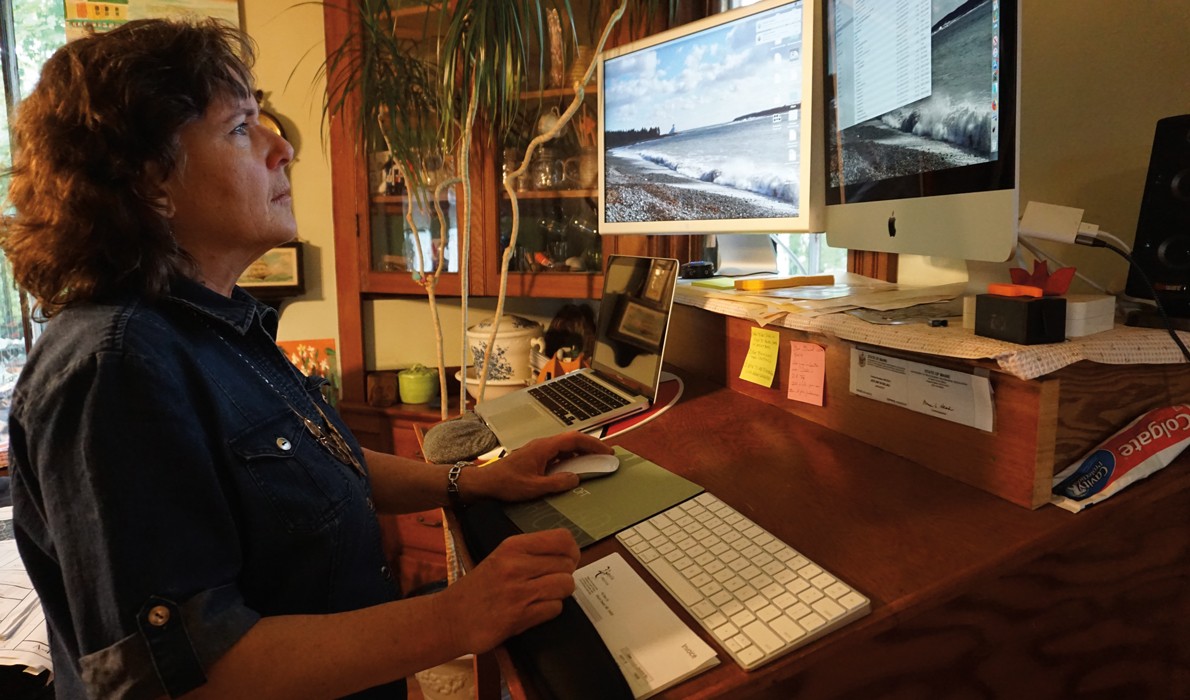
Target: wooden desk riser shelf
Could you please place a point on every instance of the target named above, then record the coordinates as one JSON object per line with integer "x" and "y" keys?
{"x": 1041, "y": 425}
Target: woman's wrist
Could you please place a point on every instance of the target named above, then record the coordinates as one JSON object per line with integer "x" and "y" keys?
{"x": 464, "y": 484}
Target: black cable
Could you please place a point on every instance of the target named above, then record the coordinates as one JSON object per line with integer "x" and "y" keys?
{"x": 1099, "y": 243}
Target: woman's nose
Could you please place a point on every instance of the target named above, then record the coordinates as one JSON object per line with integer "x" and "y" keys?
{"x": 280, "y": 150}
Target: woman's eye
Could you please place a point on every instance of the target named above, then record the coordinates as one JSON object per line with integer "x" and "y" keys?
{"x": 242, "y": 129}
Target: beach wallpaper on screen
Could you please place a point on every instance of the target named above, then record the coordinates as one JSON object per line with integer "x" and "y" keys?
{"x": 707, "y": 126}
{"x": 953, "y": 125}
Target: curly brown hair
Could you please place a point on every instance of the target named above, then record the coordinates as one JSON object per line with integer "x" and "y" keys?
{"x": 92, "y": 145}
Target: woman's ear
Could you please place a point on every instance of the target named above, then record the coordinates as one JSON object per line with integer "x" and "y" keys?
{"x": 165, "y": 205}
{"x": 159, "y": 194}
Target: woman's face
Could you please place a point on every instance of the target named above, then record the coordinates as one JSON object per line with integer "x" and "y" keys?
{"x": 229, "y": 200}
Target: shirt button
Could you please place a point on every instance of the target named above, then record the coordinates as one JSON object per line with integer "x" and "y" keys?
{"x": 158, "y": 615}
{"x": 284, "y": 444}
{"x": 385, "y": 573}
{"x": 371, "y": 506}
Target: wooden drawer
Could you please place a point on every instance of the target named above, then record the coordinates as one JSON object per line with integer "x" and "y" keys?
{"x": 422, "y": 557}
{"x": 422, "y": 531}
{"x": 405, "y": 440}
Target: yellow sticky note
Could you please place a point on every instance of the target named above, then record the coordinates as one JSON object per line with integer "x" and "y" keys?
{"x": 807, "y": 372}
{"x": 716, "y": 283}
{"x": 760, "y": 365}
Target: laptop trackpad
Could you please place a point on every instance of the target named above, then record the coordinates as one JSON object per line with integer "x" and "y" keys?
{"x": 522, "y": 414}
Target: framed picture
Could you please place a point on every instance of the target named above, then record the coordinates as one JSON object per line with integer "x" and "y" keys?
{"x": 276, "y": 274}
{"x": 659, "y": 280}
{"x": 315, "y": 358}
{"x": 638, "y": 325}
{"x": 86, "y": 16}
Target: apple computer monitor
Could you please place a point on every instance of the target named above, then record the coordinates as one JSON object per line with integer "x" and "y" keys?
{"x": 921, "y": 126}
{"x": 711, "y": 127}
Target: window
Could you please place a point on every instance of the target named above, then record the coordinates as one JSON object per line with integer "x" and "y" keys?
{"x": 30, "y": 30}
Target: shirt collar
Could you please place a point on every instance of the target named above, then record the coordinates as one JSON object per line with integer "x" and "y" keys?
{"x": 239, "y": 311}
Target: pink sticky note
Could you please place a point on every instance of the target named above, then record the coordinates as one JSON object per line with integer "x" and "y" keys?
{"x": 807, "y": 372}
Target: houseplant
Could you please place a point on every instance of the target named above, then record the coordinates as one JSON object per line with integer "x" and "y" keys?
{"x": 429, "y": 109}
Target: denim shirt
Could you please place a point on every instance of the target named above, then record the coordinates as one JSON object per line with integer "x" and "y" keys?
{"x": 166, "y": 494}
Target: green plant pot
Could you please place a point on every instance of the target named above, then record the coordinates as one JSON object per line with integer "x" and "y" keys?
{"x": 418, "y": 384}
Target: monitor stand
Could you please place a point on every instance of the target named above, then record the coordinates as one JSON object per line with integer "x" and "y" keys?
{"x": 980, "y": 274}
{"x": 744, "y": 254}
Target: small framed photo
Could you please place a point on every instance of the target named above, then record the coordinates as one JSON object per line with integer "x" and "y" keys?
{"x": 276, "y": 274}
{"x": 659, "y": 280}
{"x": 638, "y": 325}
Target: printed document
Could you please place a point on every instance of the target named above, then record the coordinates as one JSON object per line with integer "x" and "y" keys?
{"x": 653, "y": 648}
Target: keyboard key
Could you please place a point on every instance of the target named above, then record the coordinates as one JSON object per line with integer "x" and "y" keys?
{"x": 749, "y": 656}
{"x": 711, "y": 588}
{"x": 742, "y": 618}
{"x": 828, "y": 608}
{"x": 721, "y": 598}
{"x": 763, "y": 637}
{"x": 853, "y": 601}
{"x": 725, "y": 631}
{"x": 648, "y": 531}
{"x": 788, "y": 629}
{"x": 811, "y": 622}
{"x": 683, "y": 591}
{"x": 837, "y": 589}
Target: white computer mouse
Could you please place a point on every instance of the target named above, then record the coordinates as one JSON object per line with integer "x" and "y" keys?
{"x": 587, "y": 466}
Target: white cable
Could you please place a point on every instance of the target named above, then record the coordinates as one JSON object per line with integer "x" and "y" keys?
{"x": 781, "y": 244}
{"x": 1040, "y": 254}
{"x": 1113, "y": 239}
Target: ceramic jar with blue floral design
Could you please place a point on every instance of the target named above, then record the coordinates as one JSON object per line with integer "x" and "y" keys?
{"x": 510, "y": 352}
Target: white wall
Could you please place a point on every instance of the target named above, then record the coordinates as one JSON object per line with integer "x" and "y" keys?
{"x": 289, "y": 37}
{"x": 1096, "y": 77}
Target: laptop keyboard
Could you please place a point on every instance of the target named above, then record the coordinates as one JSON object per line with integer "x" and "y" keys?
{"x": 576, "y": 397}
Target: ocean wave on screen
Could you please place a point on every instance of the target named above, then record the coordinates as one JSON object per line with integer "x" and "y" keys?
{"x": 963, "y": 124}
{"x": 741, "y": 177}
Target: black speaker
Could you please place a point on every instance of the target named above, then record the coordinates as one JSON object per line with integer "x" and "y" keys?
{"x": 1162, "y": 245}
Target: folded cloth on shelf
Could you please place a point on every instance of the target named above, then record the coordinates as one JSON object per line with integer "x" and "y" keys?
{"x": 458, "y": 439}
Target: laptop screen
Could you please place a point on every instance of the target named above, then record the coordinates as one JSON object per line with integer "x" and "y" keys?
{"x": 633, "y": 321}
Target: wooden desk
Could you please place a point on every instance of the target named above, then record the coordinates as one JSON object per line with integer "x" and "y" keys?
{"x": 972, "y": 596}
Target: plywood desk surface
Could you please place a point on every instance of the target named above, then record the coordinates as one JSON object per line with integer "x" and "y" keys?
{"x": 967, "y": 589}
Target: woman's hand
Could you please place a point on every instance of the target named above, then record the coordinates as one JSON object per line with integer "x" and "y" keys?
{"x": 522, "y": 583}
{"x": 521, "y": 475}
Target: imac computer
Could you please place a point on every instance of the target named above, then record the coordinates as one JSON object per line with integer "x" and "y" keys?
{"x": 712, "y": 127}
{"x": 921, "y": 127}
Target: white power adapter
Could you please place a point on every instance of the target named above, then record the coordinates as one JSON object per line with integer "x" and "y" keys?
{"x": 1051, "y": 222}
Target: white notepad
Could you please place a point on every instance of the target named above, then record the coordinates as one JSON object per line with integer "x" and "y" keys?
{"x": 652, "y": 646}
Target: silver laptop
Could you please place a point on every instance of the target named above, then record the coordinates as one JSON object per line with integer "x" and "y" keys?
{"x": 631, "y": 326}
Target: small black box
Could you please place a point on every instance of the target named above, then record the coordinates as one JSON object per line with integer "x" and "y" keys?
{"x": 1024, "y": 320}
{"x": 697, "y": 269}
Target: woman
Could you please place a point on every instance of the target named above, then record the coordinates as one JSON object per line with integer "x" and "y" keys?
{"x": 195, "y": 518}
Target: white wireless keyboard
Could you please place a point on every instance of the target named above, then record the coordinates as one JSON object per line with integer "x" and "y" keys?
{"x": 752, "y": 592}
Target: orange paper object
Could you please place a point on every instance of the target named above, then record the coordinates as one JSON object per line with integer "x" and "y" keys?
{"x": 1054, "y": 284}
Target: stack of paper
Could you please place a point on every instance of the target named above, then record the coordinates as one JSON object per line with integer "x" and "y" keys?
{"x": 652, "y": 647}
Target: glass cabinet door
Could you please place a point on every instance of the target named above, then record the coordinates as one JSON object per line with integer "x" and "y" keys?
{"x": 558, "y": 243}
{"x": 407, "y": 235}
